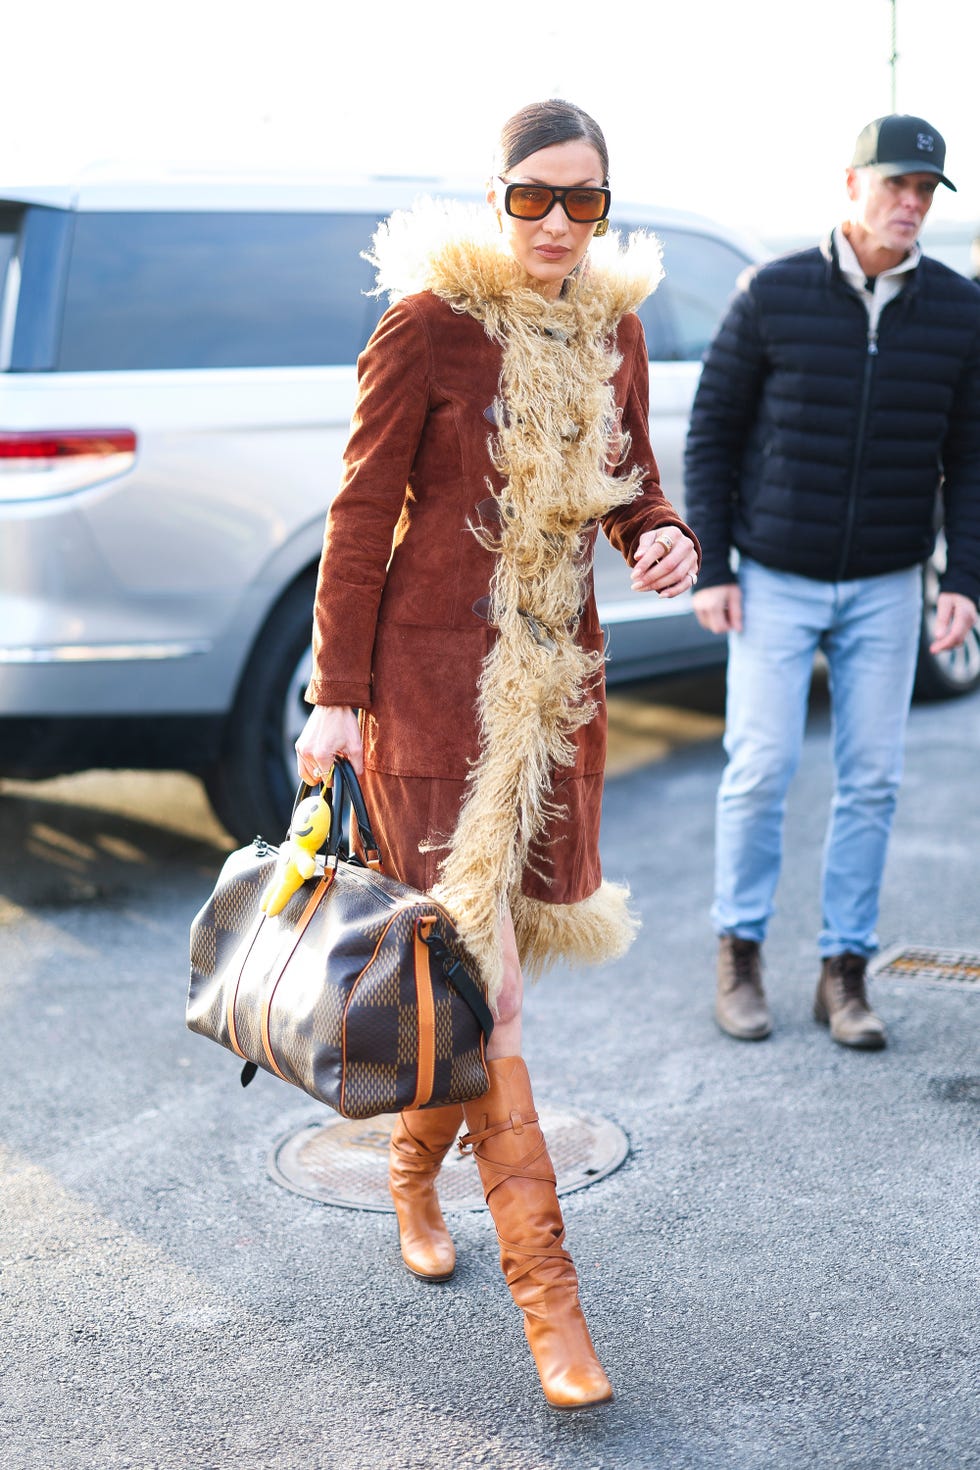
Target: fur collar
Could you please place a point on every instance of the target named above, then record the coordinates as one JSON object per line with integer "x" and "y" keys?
{"x": 555, "y": 448}
{"x": 456, "y": 251}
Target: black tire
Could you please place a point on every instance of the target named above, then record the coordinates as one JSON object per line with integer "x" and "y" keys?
{"x": 943, "y": 675}
{"x": 253, "y": 785}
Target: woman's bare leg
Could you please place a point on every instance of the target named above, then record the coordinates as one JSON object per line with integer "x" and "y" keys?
{"x": 506, "y": 1038}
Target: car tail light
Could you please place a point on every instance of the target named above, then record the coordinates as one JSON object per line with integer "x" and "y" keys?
{"x": 38, "y": 463}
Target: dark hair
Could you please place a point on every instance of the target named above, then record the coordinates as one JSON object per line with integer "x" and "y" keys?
{"x": 543, "y": 124}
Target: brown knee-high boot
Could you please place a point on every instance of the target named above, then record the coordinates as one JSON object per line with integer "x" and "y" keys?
{"x": 519, "y": 1184}
{"x": 420, "y": 1141}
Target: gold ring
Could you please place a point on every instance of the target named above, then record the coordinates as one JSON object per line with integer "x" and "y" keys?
{"x": 317, "y": 773}
{"x": 666, "y": 541}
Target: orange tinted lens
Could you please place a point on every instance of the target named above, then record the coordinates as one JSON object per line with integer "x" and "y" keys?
{"x": 529, "y": 202}
{"x": 585, "y": 205}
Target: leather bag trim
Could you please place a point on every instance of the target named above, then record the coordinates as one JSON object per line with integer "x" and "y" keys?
{"x": 312, "y": 905}
{"x": 233, "y": 995}
{"x": 426, "y": 1011}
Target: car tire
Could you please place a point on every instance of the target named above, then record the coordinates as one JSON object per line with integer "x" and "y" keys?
{"x": 252, "y": 787}
{"x": 943, "y": 675}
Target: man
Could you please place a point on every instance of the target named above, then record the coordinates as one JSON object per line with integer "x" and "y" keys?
{"x": 841, "y": 391}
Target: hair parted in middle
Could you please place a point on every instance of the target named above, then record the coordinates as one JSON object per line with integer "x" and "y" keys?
{"x": 542, "y": 125}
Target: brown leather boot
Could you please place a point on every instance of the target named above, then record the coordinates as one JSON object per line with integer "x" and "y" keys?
{"x": 740, "y": 1003}
{"x": 519, "y": 1185}
{"x": 420, "y": 1141}
{"x": 842, "y": 1003}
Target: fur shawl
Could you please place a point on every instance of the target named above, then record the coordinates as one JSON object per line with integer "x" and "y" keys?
{"x": 564, "y": 464}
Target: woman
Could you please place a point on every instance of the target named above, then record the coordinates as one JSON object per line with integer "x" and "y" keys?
{"x": 501, "y": 416}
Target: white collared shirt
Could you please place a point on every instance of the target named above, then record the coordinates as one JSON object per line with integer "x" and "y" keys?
{"x": 886, "y": 286}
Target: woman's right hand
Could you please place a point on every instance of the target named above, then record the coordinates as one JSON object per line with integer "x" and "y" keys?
{"x": 331, "y": 730}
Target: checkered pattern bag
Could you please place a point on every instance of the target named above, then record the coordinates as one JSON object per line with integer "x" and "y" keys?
{"x": 358, "y": 991}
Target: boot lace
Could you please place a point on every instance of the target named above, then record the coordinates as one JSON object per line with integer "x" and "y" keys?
{"x": 850, "y": 969}
{"x": 745, "y": 963}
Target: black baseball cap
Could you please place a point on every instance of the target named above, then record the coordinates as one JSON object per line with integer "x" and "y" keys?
{"x": 900, "y": 144}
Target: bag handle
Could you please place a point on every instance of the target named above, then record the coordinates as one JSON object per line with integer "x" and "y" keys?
{"x": 356, "y": 798}
{"x": 344, "y": 781}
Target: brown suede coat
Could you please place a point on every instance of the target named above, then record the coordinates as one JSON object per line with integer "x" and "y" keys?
{"x": 400, "y": 632}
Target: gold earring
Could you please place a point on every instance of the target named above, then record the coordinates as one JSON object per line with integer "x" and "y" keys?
{"x": 601, "y": 228}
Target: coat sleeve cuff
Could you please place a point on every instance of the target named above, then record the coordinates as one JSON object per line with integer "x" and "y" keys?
{"x": 334, "y": 691}
{"x": 716, "y": 571}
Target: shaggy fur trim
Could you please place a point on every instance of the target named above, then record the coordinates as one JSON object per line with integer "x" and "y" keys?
{"x": 553, "y": 450}
{"x": 457, "y": 251}
{"x": 602, "y": 927}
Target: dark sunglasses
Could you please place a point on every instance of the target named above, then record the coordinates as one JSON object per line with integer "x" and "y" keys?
{"x": 534, "y": 201}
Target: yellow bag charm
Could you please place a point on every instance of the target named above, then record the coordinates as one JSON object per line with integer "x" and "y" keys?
{"x": 308, "y": 831}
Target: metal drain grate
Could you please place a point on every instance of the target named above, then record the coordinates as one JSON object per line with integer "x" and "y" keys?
{"x": 346, "y": 1163}
{"x": 947, "y": 967}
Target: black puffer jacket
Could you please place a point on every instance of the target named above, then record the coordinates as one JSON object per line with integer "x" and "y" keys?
{"x": 816, "y": 450}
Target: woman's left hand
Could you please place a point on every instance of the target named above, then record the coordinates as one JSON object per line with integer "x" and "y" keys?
{"x": 666, "y": 562}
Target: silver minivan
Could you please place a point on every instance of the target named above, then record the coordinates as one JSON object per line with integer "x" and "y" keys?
{"x": 177, "y": 373}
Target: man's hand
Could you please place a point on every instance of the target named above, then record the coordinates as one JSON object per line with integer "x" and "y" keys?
{"x": 955, "y": 616}
{"x": 719, "y": 609}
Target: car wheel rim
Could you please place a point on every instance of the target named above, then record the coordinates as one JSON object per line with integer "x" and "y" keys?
{"x": 961, "y": 666}
{"x": 295, "y": 713}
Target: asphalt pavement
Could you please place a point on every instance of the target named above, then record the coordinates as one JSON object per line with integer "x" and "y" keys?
{"x": 783, "y": 1273}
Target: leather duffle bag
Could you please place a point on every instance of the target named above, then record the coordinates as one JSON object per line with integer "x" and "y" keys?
{"x": 346, "y": 983}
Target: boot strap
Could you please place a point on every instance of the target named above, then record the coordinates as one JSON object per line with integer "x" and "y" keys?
{"x": 494, "y": 1172}
{"x": 499, "y": 1174}
{"x": 554, "y": 1252}
{"x": 515, "y": 1120}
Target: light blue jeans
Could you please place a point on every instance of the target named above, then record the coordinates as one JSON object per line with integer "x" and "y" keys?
{"x": 868, "y": 631}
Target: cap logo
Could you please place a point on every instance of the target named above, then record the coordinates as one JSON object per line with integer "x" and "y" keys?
{"x": 925, "y": 142}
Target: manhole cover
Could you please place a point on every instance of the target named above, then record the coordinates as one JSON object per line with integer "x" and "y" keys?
{"x": 947, "y": 967}
{"x": 346, "y": 1163}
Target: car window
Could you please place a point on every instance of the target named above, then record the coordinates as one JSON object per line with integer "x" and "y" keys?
{"x": 8, "y": 240}
{"x": 200, "y": 290}
{"x": 700, "y": 277}
{"x": 35, "y": 287}
{"x": 657, "y": 326}
{"x": 680, "y": 317}
{"x": 9, "y": 225}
